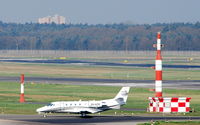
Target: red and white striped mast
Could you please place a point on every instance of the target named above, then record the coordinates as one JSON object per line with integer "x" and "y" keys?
{"x": 22, "y": 89}
{"x": 158, "y": 68}
{"x": 165, "y": 104}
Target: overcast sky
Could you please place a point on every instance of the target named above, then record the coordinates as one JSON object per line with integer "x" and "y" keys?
{"x": 102, "y": 11}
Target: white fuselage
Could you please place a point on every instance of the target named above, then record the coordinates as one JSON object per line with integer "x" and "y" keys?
{"x": 79, "y": 106}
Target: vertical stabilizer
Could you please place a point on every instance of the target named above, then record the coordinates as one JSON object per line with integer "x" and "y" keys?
{"x": 122, "y": 96}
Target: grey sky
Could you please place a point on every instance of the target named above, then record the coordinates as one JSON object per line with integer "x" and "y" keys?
{"x": 102, "y": 11}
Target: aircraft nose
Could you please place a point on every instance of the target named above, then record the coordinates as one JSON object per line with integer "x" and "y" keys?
{"x": 39, "y": 110}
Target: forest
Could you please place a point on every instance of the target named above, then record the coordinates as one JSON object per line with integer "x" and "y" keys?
{"x": 34, "y": 36}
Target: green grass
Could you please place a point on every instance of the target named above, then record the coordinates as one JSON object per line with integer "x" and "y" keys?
{"x": 45, "y": 93}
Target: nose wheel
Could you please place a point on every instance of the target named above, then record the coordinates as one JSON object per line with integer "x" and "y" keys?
{"x": 45, "y": 115}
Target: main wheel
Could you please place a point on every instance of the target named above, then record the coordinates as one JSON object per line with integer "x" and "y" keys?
{"x": 83, "y": 114}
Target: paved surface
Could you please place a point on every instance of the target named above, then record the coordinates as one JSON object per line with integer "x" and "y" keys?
{"x": 181, "y": 84}
{"x": 69, "y": 120}
{"x": 83, "y": 62}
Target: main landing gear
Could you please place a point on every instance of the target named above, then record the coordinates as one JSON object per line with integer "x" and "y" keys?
{"x": 83, "y": 114}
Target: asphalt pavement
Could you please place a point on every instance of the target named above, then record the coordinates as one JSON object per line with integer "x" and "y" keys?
{"x": 96, "y": 63}
{"x": 67, "y": 119}
{"x": 180, "y": 84}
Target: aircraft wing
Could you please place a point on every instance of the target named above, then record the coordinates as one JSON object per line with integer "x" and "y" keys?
{"x": 79, "y": 110}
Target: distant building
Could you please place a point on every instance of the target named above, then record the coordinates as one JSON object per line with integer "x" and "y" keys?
{"x": 52, "y": 19}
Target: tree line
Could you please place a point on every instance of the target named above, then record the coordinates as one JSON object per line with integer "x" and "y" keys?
{"x": 34, "y": 36}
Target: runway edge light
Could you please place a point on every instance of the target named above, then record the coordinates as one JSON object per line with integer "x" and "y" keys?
{"x": 21, "y": 100}
{"x": 160, "y": 103}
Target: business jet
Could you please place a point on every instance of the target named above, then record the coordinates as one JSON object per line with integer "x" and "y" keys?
{"x": 86, "y": 107}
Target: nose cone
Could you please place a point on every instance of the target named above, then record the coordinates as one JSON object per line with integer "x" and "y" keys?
{"x": 39, "y": 110}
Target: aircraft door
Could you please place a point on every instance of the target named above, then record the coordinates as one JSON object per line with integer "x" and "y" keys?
{"x": 62, "y": 106}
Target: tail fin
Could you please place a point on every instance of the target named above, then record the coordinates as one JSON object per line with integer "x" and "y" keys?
{"x": 122, "y": 96}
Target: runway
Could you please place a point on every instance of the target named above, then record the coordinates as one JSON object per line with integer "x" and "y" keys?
{"x": 181, "y": 84}
{"x": 92, "y": 120}
{"x": 94, "y": 63}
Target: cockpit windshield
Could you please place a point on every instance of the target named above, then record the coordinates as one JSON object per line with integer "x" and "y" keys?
{"x": 50, "y": 104}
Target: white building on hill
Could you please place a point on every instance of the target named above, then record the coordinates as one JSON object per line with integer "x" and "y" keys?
{"x": 52, "y": 19}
